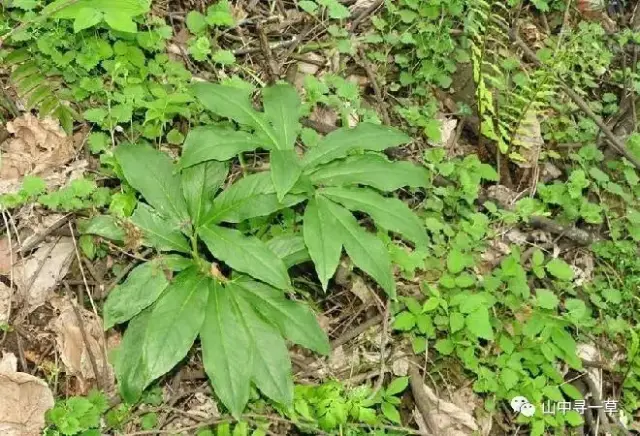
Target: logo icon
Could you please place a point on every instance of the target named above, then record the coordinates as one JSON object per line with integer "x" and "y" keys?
{"x": 523, "y": 406}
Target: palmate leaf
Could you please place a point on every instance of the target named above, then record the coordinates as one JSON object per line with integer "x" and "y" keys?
{"x": 323, "y": 240}
{"x": 199, "y": 185}
{"x": 216, "y": 143}
{"x": 389, "y": 213}
{"x": 247, "y": 254}
{"x": 157, "y": 231}
{"x": 227, "y": 351}
{"x": 372, "y": 170}
{"x": 174, "y": 321}
{"x": 159, "y": 337}
{"x": 295, "y": 320}
{"x": 340, "y": 143}
{"x": 250, "y": 197}
{"x": 152, "y": 173}
{"x": 245, "y": 322}
{"x": 365, "y": 250}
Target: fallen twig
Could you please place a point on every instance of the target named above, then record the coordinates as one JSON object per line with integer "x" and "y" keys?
{"x": 356, "y": 331}
{"x": 420, "y": 397}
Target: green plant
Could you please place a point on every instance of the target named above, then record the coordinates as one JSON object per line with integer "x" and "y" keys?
{"x": 326, "y": 177}
{"x": 233, "y": 316}
{"x": 77, "y": 416}
{"x": 332, "y": 407}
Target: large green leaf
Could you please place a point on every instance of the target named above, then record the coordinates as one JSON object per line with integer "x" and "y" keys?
{"x": 141, "y": 289}
{"x": 235, "y": 103}
{"x": 130, "y": 368}
{"x": 250, "y": 197}
{"x": 365, "y": 250}
{"x": 247, "y": 254}
{"x": 295, "y": 320}
{"x": 290, "y": 248}
{"x": 365, "y": 136}
{"x": 282, "y": 109}
{"x": 157, "y": 231}
{"x": 199, "y": 185}
{"x": 152, "y": 173}
{"x": 271, "y": 364}
{"x": 175, "y": 321}
{"x": 227, "y": 350}
{"x": 323, "y": 240}
{"x": 389, "y": 213}
{"x": 215, "y": 143}
{"x": 285, "y": 171}
{"x": 371, "y": 170}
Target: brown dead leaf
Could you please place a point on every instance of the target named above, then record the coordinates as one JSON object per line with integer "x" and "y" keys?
{"x": 72, "y": 347}
{"x": 361, "y": 6}
{"x": 24, "y": 399}
{"x": 37, "y": 145}
{"x": 324, "y": 115}
{"x": 37, "y": 276}
{"x": 528, "y": 138}
{"x": 5, "y": 256}
{"x": 5, "y": 303}
{"x": 449, "y": 418}
{"x": 360, "y": 289}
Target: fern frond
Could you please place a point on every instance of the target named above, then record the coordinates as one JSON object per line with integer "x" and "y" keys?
{"x": 39, "y": 92}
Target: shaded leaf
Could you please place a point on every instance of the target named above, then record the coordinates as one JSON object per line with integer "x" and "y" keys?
{"x": 323, "y": 240}
{"x": 199, "y": 185}
{"x": 290, "y": 248}
{"x": 285, "y": 171}
{"x": 157, "y": 231}
{"x": 282, "y": 109}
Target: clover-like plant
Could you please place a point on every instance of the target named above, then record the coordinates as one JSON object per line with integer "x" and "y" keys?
{"x": 344, "y": 173}
{"x": 242, "y": 318}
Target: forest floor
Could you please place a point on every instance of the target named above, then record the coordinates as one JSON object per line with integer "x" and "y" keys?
{"x": 518, "y": 316}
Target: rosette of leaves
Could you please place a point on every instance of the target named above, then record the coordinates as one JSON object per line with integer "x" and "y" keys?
{"x": 242, "y": 319}
{"x": 342, "y": 175}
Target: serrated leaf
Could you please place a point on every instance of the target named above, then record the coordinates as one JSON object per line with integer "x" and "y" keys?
{"x": 479, "y": 324}
{"x": 152, "y": 173}
{"x": 295, "y": 320}
{"x": 323, "y": 240}
{"x": 157, "y": 231}
{"x": 117, "y": 13}
{"x": 282, "y": 110}
{"x": 365, "y": 250}
{"x": 546, "y": 299}
{"x": 285, "y": 171}
{"x": 365, "y": 136}
{"x": 175, "y": 321}
{"x": 371, "y": 170}
{"x": 226, "y": 342}
{"x": 559, "y": 269}
{"x": 389, "y": 213}
{"x": 247, "y": 254}
{"x": 105, "y": 226}
{"x": 85, "y": 18}
{"x": 271, "y": 364}
{"x": 216, "y": 143}
{"x": 199, "y": 185}
{"x": 235, "y": 103}
{"x": 250, "y": 197}
{"x": 196, "y": 22}
{"x": 290, "y": 248}
{"x": 142, "y": 288}
{"x": 509, "y": 378}
{"x": 571, "y": 391}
